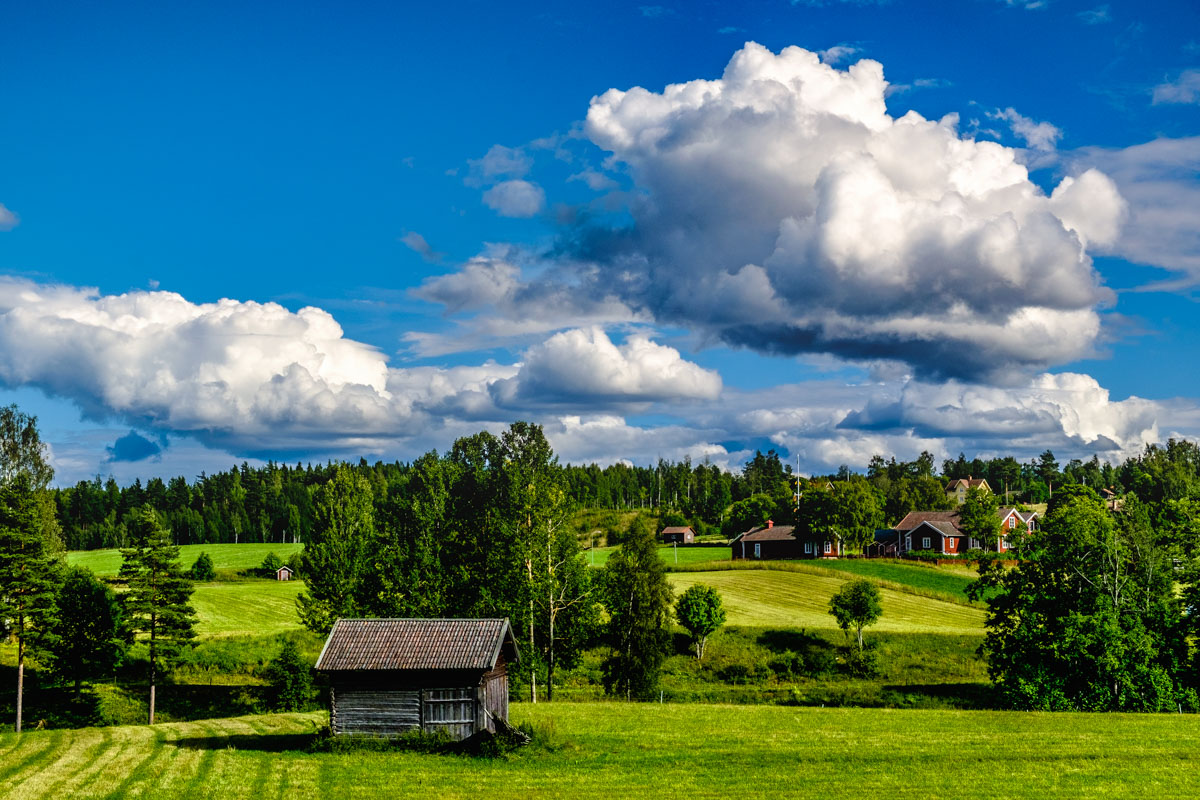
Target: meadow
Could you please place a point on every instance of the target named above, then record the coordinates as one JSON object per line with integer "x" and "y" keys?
{"x": 606, "y": 750}
{"x": 106, "y": 563}
{"x": 800, "y": 599}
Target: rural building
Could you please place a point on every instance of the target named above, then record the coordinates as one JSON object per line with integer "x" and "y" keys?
{"x": 956, "y": 490}
{"x": 680, "y": 534}
{"x": 284, "y": 573}
{"x": 388, "y": 676}
{"x": 939, "y": 531}
{"x": 781, "y": 541}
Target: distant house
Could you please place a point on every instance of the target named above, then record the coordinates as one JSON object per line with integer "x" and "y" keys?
{"x": 388, "y": 676}
{"x": 284, "y": 573}
{"x": 939, "y": 531}
{"x": 956, "y": 490}
{"x": 783, "y": 541}
{"x": 680, "y": 534}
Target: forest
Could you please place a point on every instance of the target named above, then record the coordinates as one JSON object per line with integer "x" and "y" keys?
{"x": 274, "y": 503}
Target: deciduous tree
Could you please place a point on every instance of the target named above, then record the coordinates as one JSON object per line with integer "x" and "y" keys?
{"x": 700, "y": 611}
{"x": 856, "y": 605}
{"x": 638, "y": 599}
{"x": 88, "y": 631}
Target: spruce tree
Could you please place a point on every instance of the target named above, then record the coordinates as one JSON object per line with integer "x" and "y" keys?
{"x": 28, "y": 571}
{"x": 156, "y": 603}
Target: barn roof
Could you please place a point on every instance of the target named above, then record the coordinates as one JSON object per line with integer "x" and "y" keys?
{"x": 402, "y": 644}
{"x": 678, "y": 529}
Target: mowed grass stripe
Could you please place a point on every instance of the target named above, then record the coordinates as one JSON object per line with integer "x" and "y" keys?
{"x": 156, "y": 756}
{"x": 795, "y": 599}
{"x": 35, "y": 748}
{"x": 121, "y": 746}
{"x": 85, "y": 750}
{"x": 247, "y": 608}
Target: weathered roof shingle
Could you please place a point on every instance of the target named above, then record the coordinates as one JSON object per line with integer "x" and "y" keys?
{"x": 400, "y": 644}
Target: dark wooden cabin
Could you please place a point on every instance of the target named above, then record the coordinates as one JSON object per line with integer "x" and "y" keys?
{"x": 388, "y": 676}
{"x": 679, "y": 534}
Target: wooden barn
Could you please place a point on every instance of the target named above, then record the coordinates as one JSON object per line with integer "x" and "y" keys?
{"x": 388, "y": 676}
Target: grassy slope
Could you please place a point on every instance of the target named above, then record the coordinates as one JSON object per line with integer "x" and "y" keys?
{"x": 801, "y": 600}
{"x": 686, "y": 555}
{"x": 224, "y": 556}
{"x": 254, "y": 607}
{"x": 619, "y": 750}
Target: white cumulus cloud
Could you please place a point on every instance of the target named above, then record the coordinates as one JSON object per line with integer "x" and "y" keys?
{"x": 515, "y": 198}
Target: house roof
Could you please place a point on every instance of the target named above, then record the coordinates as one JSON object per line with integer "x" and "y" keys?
{"x": 914, "y": 518}
{"x": 944, "y": 527}
{"x": 776, "y": 533}
{"x": 967, "y": 483}
{"x": 678, "y": 529}
{"x": 402, "y": 644}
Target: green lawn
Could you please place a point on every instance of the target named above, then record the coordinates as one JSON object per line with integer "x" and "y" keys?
{"x": 258, "y": 607}
{"x": 945, "y": 580}
{"x": 669, "y": 554}
{"x": 224, "y": 556}
{"x": 766, "y": 598}
{"x": 613, "y": 750}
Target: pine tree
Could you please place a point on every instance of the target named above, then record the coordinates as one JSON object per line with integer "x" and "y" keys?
{"x": 28, "y": 571}
{"x": 156, "y": 603}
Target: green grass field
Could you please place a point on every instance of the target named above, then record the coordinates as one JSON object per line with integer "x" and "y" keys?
{"x": 611, "y": 750}
{"x": 765, "y": 598}
{"x": 106, "y": 563}
{"x": 951, "y": 581}
{"x": 671, "y": 555}
{"x": 253, "y": 607}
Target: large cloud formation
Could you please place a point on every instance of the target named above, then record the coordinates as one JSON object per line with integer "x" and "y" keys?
{"x": 258, "y": 378}
{"x": 782, "y": 208}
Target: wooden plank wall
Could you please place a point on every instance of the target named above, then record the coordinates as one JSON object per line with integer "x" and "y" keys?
{"x": 373, "y": 711}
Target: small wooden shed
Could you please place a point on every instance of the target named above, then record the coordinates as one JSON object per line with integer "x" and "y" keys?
{"x": 388, "y": 676}
{"x": 284, "y": 573}
{"x": 679, "y": 534}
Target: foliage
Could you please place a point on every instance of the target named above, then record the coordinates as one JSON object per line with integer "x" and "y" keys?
{"x": 21, "y": 449}
{"x": 848, "y": 512}
{"x": 700, "y": 611}
{"x": 637, "y": 597}
{"x": 88, "y": 635}
{"x": 290, "y": 679}
{"x": 1089, "y": 620}
{"x": 856, "y": 605}
{"x": 979, "y": 519}
{"x": 339, "y": 558}
{"x": 202, "y": 568}
{"x": 751, "y": 512}
{"x": 28, "y": 571}
{"x": 270, "y": 565}
{"x": 156, "y": 600}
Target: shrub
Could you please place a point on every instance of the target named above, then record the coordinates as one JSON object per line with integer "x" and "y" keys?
{"x": 202, "y": 569}
{"x": 290, "y": 678}
{"x": 271, "y": 565}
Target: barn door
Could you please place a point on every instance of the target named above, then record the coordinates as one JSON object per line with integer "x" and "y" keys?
{"x": 451, "y": 710}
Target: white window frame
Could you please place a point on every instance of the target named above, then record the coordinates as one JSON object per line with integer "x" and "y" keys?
{"x": 926, "y": 543}
{"x": 757, "y": 550}
{"x": 808, "y": 547}
{"x": 950, "y": 542}
{"x": 829, "y": 547}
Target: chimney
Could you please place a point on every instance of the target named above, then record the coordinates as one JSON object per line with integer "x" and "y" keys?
{"x": 770, "y": 523}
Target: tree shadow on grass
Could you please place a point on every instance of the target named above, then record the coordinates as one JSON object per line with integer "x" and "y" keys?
{"x": 783, "y": 641}
{"x": 258, "y": 742}
{"x": 954, "y": 695}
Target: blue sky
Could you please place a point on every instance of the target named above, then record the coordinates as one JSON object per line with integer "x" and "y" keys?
{"x": 483, "y": 231}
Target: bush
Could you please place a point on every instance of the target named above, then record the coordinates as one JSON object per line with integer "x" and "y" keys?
{"x": 202, "y": 569}
{"x": 271, "y": 565}
{"x": 290, "y": 678}
{"x": 861, "y": 663}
